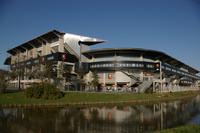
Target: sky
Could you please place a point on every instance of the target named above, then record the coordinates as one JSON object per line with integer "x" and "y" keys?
{"x": 171, "y": 26}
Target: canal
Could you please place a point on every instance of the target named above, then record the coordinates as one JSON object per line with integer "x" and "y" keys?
{"x": 104, "y": 119}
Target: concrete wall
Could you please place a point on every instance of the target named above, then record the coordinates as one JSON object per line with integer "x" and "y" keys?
{"x": 109, "y": 77}
{"x": 121, "y": 77}
{"x": 119, "y": 58}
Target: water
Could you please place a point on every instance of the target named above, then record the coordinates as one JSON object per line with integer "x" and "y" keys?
{"x": 115, "y": 119}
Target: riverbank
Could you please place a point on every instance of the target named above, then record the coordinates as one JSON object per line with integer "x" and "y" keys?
{"x": 182, "y": 129}
{"x": 18, "y": 99}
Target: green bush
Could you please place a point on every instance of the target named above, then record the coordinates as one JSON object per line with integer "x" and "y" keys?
{"x": 38, "y": 91}
{"x": 29, "y": 92}
{"x": 51, "y": 92}
{"x": 46, "y": 91}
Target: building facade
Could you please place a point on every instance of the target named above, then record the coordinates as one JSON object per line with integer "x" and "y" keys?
{"x": 127, "y": 69}
{"x": 60, "y": 50}
{"x": 139, "y": 68}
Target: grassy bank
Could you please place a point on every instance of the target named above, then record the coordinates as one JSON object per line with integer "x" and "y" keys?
{"x": 182, "y": 129}
{"x": 78, "y": 98}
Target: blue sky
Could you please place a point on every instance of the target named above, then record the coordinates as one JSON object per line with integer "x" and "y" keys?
{"x": 172, "y": 26}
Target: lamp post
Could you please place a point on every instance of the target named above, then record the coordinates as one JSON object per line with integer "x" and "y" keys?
{"x": 18, "y": 72}
{"x": 159, "y": 68}
{"x": 161, "y": 82}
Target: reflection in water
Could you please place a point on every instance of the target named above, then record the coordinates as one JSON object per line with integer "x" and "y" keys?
{"x": 117, "y": 119}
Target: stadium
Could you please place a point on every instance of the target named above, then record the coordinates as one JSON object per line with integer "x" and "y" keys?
{"x": 118, "y": 69}
{"x": 140, "y": 68}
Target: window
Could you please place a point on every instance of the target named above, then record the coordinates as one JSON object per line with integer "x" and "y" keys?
{"x": 36, "y": 61}
{"x": 110, "y": 65}
{"x": 28, "y": 63}
{"x": 50, "y": 58}
{"x": 141, "y": 65}
{"x": 150, "y": 66}
{"x": 133, "y": 65}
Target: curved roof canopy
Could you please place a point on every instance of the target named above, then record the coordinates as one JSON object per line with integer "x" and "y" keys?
{"x": 83, "y": 39}
{"x": 152, "y": 54}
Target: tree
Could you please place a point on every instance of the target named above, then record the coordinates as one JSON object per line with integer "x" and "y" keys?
{"x": 48, "y": 71}
{"x": 95, "y": 80}
{"x": 37, "y": 73}
{"x": 13, "y": 75}
{"x": 45, "y": 73}
{"x": 59, "y": 80}
{"x": 60, "y": 71}
{"x": 67, "y": 70}
{"x": 3, "y": 82}
{"x": 80, "y": 74}
{"x": 16, "y": 74}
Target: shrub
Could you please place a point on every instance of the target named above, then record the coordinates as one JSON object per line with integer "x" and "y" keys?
{"x": 38, "y": 91}
{"x": 29, "y": 91}
{"x": 51, "y": 92}
{"x": 46, "y": 91}
{"x": 35, "y": 91}
{"x": 3, "y": 82}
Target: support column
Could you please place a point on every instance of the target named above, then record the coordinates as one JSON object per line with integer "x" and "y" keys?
{"x": 115, "y": 81}
{"x": 142, "y": 76}
{"x": 60, "y": 69}
{"x": 43, "y": 49}
{"x": 61, "y": 44}
{"x": 18, "y": 70}
{"x": 61, "y": 81}
{"x": 104, "y": 79}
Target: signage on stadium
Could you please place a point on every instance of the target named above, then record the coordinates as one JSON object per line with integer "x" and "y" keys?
{"x": 109, "y": 76}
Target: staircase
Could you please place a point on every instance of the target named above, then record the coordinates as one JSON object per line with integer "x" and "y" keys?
{"x": 145, "y": 85}
{"x": 131, "y": 76}
{"x": 71, "y": 51}
{"x": 134, "y": 79}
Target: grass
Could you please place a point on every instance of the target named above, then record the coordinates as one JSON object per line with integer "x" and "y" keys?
{"x": 182, "y": 129}
{"x": 83, "y": 98}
